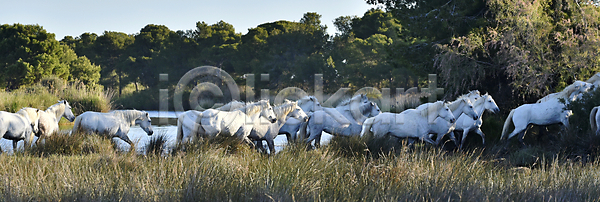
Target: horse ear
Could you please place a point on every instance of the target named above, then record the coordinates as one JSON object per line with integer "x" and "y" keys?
{"x": 312, "y": 99}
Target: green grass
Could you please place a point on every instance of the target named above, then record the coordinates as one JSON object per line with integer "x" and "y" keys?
{"x": 43, "y": 95}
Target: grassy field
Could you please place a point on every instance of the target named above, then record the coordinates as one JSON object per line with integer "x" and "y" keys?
{"x": 87, "y": 168}
{"x": 48, "y": 91}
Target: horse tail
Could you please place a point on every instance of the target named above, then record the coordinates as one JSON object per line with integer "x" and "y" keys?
{"x": 366, "y": 127}
{"x": 593, "y": 119}
{"x": 76, "y": 125}
{"x": 507, "y": 124}
{"x": 179, "y": 128}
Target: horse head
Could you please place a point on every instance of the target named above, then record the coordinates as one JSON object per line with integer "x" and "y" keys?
{"x": 374, "y": 110}
{"x": 310, "y": 104}
{"x": 436, "y": 109}
{"x": 465, "y": 107}
{"x": 145, "y": 122}
{"x": 489, "y": 103}
{"x": 68, "y": 114}
{"x": 269, "y": 114}
{"x": 298, "y": 113}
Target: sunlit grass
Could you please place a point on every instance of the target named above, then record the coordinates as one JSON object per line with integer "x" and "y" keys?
{"x": 213, "y": 171}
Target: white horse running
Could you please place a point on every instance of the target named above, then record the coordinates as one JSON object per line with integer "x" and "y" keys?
{"x": 309, "y": 104}
{"x": 188, "y": 122}
{"x": 234, "y": 123}
{"x": 467, "y": 124}
{"x": 411, "y": 123}
{"x": 335, "y": 124}
{"x": 570, "y": 93}
{"x": 268, "y": 132}
{"x": 113, "y": 124}
{"x": 18, "y": 126}
{"x": 48, "y": 121}
{"x": 461, "y": 106}
{"x": 595, "y": 120}
{"x": 546, "y": 113}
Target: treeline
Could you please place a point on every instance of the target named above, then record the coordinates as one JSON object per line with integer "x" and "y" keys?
{"x": 516, "y": 50}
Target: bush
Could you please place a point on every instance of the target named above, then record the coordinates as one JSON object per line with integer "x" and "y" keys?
{"x": 580, "y": 140}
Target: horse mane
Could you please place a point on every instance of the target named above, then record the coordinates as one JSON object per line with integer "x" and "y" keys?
{"x": 351, "y": 100}
{"x": 252, "y": 108}
{"x": 284, "y": 109}
{"x": 567, "y": 91}
{"x": 229, "y": 106}
{"x": 469, "y": 94}
{"x": 32, "y": 114}
{"x": 129, "y": 115}
{"x": 455, "y": 104}
{"x": 594, "y": 78}
{"x": 424, "y": 109}
{"x": 301, "y": 101}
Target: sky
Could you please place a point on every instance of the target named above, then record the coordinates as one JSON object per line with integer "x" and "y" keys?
{"x": 75, "y": 17}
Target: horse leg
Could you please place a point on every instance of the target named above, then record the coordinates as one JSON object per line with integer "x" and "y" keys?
{"x": 521, "y": 138}
{"x": 126, "y": 139}
{"x": 478, "y": 131}
{"x": 259, "y": 147}
{"x": 318, "y": 140}
{"x": 426, "y": 138}
{"x": 15, "y": 145}
{"x": 313, "y": 133}
{"x": 271, "y": 145}
{"x": 464, "y": 137}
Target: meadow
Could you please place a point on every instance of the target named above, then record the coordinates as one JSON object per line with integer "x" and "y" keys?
{"x": 84, "y": 167}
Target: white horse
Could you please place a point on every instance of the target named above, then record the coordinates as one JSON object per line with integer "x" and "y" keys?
{"x": 232, "y": 106}
{"x": 234, "y": 123}
{"x": 411, "y": 123}
{"x": 595, "y": 120}
{"x": 461, "y": 106}
{"x": 309, "y": 104}
{"x": 113, "y": 124}
{"x": 188, "y": 122}
{"x": 545, "y": 113}
{"x": 570, "y": 93}
{"x": 268, "y": 132}
{"x": 335, "y": 124}
{"x": 467, "y": 124}
{"x": 48, "y": 121}
{"x": 18, "y": 126}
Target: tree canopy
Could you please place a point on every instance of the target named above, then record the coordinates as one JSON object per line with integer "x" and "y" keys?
{"x": 518, "y": 53}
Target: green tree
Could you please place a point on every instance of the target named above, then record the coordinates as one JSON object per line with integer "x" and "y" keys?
{"x": 527, "y": 51}
{"x": 29, "y": 53}
{"x": 147, "y": 47}
{"x": 280, "y": 48}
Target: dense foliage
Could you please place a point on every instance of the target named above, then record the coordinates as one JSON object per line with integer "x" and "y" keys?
{"x": 516, "y": 53}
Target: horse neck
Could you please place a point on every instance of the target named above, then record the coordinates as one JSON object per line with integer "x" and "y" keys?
{"x": 454, "y": 106}
{"x": 57, "y": 109}
{"x": 282, "y": 112}
{"x": 130, "y": 116}
{"x": 479, "y": 106}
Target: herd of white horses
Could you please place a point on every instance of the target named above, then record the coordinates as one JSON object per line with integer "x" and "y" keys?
{"x": 305, "y": 119}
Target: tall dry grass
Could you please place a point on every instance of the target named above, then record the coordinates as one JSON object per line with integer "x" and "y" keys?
{"x": 46, "y": 93}
{"x": 212, "y": 172}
